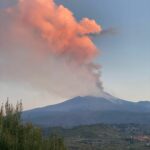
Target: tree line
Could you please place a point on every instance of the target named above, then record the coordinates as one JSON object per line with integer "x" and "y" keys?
{"x": 15, "y": 135}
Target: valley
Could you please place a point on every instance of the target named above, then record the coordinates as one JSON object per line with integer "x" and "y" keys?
{"x": 105, "y": 137}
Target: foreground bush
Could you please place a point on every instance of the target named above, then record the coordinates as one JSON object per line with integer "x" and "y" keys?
{"x": 17, "y": 136}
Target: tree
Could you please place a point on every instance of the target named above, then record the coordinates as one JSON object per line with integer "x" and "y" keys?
{"x": 14, "y": 135}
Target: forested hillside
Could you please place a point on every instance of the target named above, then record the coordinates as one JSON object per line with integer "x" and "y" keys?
{"x": 106, "y": 137}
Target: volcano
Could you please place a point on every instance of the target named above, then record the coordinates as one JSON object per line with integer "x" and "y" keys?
{"x": 90, "y": 110}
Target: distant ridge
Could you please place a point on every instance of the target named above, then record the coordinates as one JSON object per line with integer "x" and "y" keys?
{"x": 90, "y": 110}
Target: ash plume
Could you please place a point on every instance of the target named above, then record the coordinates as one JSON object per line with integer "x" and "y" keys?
{"x": 42, "y": 44}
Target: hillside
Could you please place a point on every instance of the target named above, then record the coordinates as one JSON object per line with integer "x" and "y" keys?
{"x": 105, "y": 137}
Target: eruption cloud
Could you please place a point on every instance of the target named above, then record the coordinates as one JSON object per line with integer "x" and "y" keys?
{"x": 43, "y": 45}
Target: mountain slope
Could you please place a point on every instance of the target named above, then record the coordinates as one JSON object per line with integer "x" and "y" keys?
{"x": 90, "y": 110}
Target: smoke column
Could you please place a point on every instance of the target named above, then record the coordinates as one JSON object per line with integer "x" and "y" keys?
{"x": 43, "y": 45}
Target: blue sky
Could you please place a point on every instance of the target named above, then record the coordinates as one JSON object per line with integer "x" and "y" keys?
{"x": 125, "y": 52}
{"x": 125, "y": 55}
